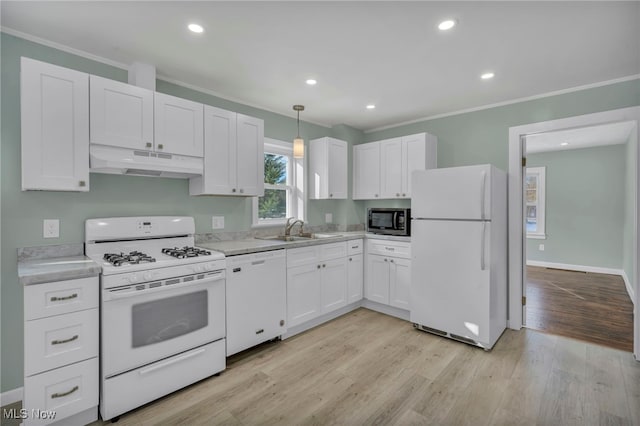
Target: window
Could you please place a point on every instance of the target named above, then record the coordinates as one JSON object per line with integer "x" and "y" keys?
{"x": 283, "y": 186}
{"x": 534, "y": 193}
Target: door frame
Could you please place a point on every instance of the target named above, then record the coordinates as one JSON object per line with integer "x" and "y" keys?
{"x": 516, "y": 211}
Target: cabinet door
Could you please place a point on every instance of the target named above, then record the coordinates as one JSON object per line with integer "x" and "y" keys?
{"x": 250, "y": 155}
{"x": 219, "y": 176}
{"x": 355, "y": 281}
{"x": 304, "y": 293}
{"x": 337, "y": 169}
{"x": 120, "y": 114}
{"x": 55, "y": 127}
{"x": 400, "y": 283}
{"x": 377, "y": 279}
{"x": 178, "y": 126}
{"x": 366, "y": 171}
{"x": 334, "y": 284}
{"x": 413, "y": 158}
{"x": 391, "y": 168}
{"x": 256, "y": 302}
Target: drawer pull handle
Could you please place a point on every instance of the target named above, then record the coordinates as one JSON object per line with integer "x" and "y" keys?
{"x": 354, "y": 246}
{"x": 57, "y": 299}
{"x": 60, "y": 342}
{"x": 60, "y": 395}
{"x": 389, "y": 248}
{"x": 237, "y": 269}
{"x": 257, "y": 262}
{"x": 260, "y": 331}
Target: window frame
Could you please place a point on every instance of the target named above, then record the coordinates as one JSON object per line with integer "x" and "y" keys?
{"x": 540, "y": 203}
{"x": 296, "y": 200}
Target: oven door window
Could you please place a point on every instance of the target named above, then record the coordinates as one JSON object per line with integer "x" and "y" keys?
{"x": 165, "y": 319}
{"x": 382, "y": 220}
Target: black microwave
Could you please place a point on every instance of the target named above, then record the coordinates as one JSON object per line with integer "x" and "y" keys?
{"x": 389, "y": 221}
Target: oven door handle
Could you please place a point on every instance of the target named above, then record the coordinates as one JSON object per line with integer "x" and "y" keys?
{"x": 113, "y": 295}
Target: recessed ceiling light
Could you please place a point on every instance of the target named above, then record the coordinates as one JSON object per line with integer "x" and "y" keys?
{"x": 447, "y": 25}
{"x": 311, "y": 82}
{"x": 564, "y": 144}
{"x": 371, "y": 106}
{"x": 196, "y": 28}
{"x": 487, "y": 75}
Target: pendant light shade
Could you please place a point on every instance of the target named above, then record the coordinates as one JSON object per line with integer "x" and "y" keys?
{"x": 298, "y": 142}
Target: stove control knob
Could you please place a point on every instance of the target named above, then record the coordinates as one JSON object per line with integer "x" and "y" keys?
{"x": 133, "y": 278}
{"x": 207, "y": 267}
{"x": 147, "y": 276}
{"x": 199, "y": 268}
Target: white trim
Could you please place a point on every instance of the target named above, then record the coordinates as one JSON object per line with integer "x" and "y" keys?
{"x": 159, "y": 76}
{"x": 509, "y": 102}
{"x": 392, "y": 311}
{"x": 579, "y": 268}
{"x": 627, "y": 284}
{"x": 321, "y": 320}
{"x": 537, "y": 236}
{"x": 541, "y": 194}
{"x": 11, "y": 396}
{"x": 516, "y": 201}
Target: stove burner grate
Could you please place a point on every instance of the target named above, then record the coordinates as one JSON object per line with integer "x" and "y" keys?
{"x": 132, "y": 258}
{"x": 184, "y": 252}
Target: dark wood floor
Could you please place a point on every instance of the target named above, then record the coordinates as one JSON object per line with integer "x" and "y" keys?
{"x": 591, "y": 307}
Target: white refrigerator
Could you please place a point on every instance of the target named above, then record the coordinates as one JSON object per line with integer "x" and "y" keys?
{"x": 459, "y": 253}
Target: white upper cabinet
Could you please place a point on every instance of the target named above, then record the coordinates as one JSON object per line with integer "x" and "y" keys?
{"x": 328, "y": 169}
{"x": 178, "y": 126}
{"x": 233, "y": 155}
{"x": 396, "y": 159}
{"x": 391, "y": 168}
{"x": 121, "y": 114}
{"x": 366, "y": 171}
{"x": 54, "y": 103}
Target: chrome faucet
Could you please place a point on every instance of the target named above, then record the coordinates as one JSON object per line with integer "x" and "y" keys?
{"x": 290, "y": 224}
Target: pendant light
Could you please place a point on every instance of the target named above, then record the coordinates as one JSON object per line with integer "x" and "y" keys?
{"x": 298, "y": 142}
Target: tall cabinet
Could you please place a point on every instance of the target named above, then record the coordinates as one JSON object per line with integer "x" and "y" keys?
{"x": 328, "y": 169}
{"x": 383, "y": 169}
{"x": 55, "y": 127}
{"x": 233, "y": 155}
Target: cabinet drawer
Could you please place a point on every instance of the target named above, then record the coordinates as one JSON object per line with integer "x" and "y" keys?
{"x": 61, "y": 297}
{"x": 354, "y": 246}
{"x": 67, "y": 390}
{"x": 303, "y": 256}
{"x": 389, "y": 248}
{"x": 54, "y": 342}
{"x": 333, "y": 250}
{"x": 254, "y": 257}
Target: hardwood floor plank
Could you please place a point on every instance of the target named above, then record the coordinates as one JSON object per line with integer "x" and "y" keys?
{"x": 586, "y": 306}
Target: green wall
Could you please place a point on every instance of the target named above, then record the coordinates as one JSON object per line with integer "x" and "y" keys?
{"x": 629, "y": 251}
{"x": 470, "y": 138}
{"x": 111, "y": 195}
{"x": 584, "y": 208}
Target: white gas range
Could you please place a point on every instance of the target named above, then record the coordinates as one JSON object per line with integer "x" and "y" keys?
{"x": 162, "y": 308}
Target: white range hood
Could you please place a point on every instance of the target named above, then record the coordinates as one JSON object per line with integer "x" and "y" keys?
{"x": 124, "y": 161}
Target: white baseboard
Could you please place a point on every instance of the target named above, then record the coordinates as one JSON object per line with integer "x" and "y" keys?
{"x": 581, "y": 268}
{"x": 386, "y": 309}
{"x": 320, "y": 320}
{"x": 11, "y": 396}
{"x": 627, "y": 284}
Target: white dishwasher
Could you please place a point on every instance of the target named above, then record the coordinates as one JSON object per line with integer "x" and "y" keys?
{"x": 256, "y": 299}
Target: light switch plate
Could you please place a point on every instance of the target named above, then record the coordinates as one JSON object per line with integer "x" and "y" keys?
{"x": 328, "y": 218}
{"x": 51, "y": 228}
{"x": 217, "y": 222}
{"x": 541, "y": 247}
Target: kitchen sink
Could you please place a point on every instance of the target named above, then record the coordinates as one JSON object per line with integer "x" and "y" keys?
{"x": 301, "y": 237}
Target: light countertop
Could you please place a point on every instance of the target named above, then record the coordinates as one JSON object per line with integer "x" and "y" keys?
{"x": 39, "y": 271}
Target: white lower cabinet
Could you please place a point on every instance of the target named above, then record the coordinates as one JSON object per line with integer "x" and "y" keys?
{"x": 256, "y": 299}
{"x": 388, "y": 273}
{"x": 355, "y": 280}
{"x": 316, "y": 281}
{"x": 61, "y": 335}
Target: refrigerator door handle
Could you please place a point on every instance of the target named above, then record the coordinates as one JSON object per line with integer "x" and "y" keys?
{"x": 483, "y": 188}
{"x": 482, "y": 243}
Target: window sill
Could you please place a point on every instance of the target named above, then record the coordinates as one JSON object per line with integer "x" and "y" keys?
{"x": 537, "y": 236}
{"x": 269, "y": 224}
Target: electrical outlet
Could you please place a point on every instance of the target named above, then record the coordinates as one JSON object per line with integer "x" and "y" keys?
{"x": 328, "y": 218}
{"x": 51, "y": 228}
{"x": 541, "y": 247}
{"x": 217, "y": 222}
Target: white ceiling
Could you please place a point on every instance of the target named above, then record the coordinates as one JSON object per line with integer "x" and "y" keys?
{"x": 583, "y": 137}
{"x": 387, "y": 53}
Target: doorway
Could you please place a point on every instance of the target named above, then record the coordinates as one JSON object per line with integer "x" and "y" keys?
{"x": 578, "y": 186}
{"x": 517, "y": 259}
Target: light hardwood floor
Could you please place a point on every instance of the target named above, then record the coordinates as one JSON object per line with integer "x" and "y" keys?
{"x": 367, "y": 368}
